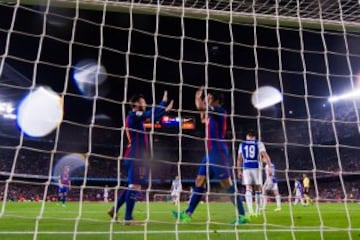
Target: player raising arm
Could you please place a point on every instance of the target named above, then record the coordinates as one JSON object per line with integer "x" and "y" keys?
{"x": 251, "y": 153}
{"x": 217, "y": 160}
{"x": 135, "y": 157}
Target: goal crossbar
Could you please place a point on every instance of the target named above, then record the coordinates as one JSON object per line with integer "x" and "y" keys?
{"x": 223, "y": 11}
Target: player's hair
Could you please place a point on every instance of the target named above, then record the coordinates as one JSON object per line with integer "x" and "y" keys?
{"x": 251, "y": 133}
{"x": 217, "y": 96}
{"x": 134, "y": 99}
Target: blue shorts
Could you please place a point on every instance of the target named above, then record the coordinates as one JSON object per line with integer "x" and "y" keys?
{"x": 218, "y": 165}
{"x": 63, "y": 189}
{"x": 137, "y": 170}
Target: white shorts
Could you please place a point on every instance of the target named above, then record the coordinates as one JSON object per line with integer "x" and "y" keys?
{"x": 252, "y": 176}
{"x": 298, "y": 194}
{"x": 270, "y": 186}
{"x": 175, "y": 193}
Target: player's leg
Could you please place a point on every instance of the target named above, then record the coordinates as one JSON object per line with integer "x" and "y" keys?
{"x": 277, "y": 197}
{"x": 120, "y": 201}
{"x": 296, "y": 200}
{"x": 197, "y": 194}
{"x": 258, "y": 196}
{"x": 264, "y": 199}
{"x": 59, "y": 194}
{"x": 302, "y": 200}
{"x": 258, "y": 189}
{"x": 199, "y": 189}
{"x": 131, "y": 198}
{"x": 195, "y": 199}
{"x": 136, "y": 174}
{"x": 172, "y": 195}
{"x": 221, "y": 171}
{"x": 177, "y": 198}
{"x": 247, "y": 181}
{"x": 307, "y": 197}
{"x": 63, "y": 194}
{"x": 122, "y": 195}
{"x": 235, "y": 199}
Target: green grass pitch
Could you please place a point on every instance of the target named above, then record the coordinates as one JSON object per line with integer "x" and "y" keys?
{"x": 90, "y": 221}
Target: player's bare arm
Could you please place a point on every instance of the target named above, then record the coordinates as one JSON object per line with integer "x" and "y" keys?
{"x": 266, "y": 159}
{"x": 165, "y": 99}
{"x": 170, "y": 106}
{"x": 239, "y": 164}
{"x": 199, "y": 103}
{"x": 165, "y": 96}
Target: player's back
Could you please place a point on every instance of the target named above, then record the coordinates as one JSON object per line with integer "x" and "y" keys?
{"x": 306, "y": 182}
{"x": 65, "y": 178}
{"x": 135, "y": 130}
{"x": 250, "y": 153}
{"x": 176, "y": 185}
{"x": 298, "y": 186}
{"x": 216, "y": 126}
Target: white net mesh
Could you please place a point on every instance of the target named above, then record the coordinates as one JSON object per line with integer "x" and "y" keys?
{"x": 96, "y": 54}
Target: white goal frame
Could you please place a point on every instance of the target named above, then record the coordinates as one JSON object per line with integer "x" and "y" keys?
{"x": 244, "y": 14}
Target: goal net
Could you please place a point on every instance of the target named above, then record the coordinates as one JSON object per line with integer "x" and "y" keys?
{"x": 69, "y": 68}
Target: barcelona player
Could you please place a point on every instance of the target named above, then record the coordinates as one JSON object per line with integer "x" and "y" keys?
{"x": 216, "y": 163}
{"x": 135, "y": 158}
{"x": 251, "y": 153}
{"x": 64, "y": 185}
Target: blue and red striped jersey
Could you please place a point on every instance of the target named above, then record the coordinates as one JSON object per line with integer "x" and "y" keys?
{"x": 216, "y": 128}
{"x": 134, "y": 124}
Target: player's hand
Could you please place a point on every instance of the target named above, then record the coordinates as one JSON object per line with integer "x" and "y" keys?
{"x": 165, "y": 96}
{"x": 170, "y": 106}
{"x": 239, "y": 174}
{"x": 199, "y": 92}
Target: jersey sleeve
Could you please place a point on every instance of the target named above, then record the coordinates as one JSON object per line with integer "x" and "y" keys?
{"x": 216, "y": 111}
{"x": 239, "y": 150}
{"x": 261, "y": 147}
{"x": 159, "y": 111}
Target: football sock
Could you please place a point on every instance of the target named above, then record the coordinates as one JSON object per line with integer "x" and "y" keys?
{"x": 239, "y": 204}
{"x": 248, "y": 198}
{"x": 264, "y": 201}
{"x": 257, "y": 200}
{"x": 195, "y": 199}
{"x": 121, "y": 200}
{"x": 278, "y": 201}
{"x": 131, "y": 197}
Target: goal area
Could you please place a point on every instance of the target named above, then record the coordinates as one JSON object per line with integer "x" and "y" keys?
{"x": 90, "y": 57}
